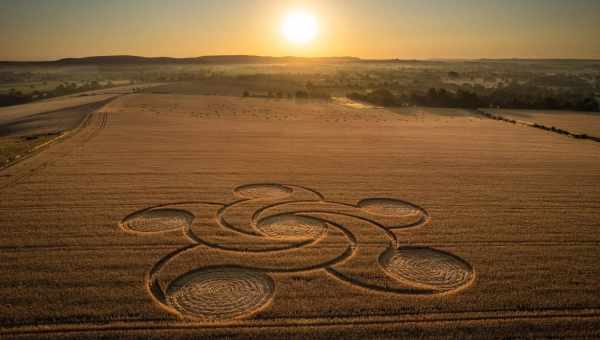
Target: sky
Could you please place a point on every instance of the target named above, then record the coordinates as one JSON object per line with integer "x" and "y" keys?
{"x": 405, "y": 29}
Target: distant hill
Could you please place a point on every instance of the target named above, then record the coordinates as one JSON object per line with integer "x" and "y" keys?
{"x": 252, "y": 59}
{"x": 217, "y": 59}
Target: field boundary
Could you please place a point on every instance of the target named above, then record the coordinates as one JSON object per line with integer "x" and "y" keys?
{"x": 553, "y": 129}
{"x": 102, "y": 118}
{"x": 63, "y": 135}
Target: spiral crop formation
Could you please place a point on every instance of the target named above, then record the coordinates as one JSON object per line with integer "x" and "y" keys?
{"x": 299, "y": 219}
{"x": 220, "y": 293}
{"x": 428, "y": 268}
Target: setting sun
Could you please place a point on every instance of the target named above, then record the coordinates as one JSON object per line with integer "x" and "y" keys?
{"x": 299, "y": 27}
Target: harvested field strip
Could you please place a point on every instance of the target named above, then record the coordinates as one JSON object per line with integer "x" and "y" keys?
{"x": 62, "y": 119}
{"x": 77, "y": 118}
{"x": 161, "y": 324}
{"x": 89, "y": 129}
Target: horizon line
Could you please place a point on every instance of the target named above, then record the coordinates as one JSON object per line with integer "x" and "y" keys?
{"x": 64, "y": 59}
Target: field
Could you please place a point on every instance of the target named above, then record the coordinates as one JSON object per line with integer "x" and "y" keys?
{"x": 26, "y": 128}
{"x": 191, "y": 215}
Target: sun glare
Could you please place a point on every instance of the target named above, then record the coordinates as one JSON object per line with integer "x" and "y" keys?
{"x": 299, "y": 27}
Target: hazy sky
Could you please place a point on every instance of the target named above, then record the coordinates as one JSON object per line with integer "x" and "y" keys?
{"x": 49, "y": 29}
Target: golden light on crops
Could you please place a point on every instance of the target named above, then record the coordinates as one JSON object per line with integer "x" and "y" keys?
{"x": 300, "y": 27}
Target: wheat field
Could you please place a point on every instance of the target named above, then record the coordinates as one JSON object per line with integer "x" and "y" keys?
{"x": 187, "y": 216}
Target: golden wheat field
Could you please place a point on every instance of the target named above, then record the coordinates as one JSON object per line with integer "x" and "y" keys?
{"x": 196, "y": 216}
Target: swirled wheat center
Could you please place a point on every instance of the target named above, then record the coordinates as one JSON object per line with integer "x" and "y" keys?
{"x": 220, "y": 293}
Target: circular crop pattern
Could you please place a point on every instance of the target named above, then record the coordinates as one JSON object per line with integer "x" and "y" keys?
{"x": 388, "y": 207}
{"x": 220, "y": 293}
{"x": 264, "y": 191}
{"x": 427, "y": 267}
{"x": 284, "y": 222}
{"x": 291, "y": 227}
{"x": 158, "y": 220}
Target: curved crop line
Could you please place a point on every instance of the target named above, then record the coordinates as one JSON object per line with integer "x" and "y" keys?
{"x": 288, "y": 246}
{"x": 343, "y": 229}
{"x": 261, "y": 250}
{"x": 122, "y": 223}
{"x": 220, "y": 218}
{"x": 256, "y": 215}
{"x": 403, "y": 291}
{"x": 451, "y": 255}
{"x": 266, "y": 299}
{"x": 221, "y": 221}
{"x": 388, "y": 233}
{"x": 350, "y": 250}
{"x": 423, "y": 220}
{"x": 153, "y": 283}
{"x": 245, "y": 186}
{"x": 124, "y": 226}
{"x": 158, "y": 292}
{"x": 318, "y": 194}
{"x": 323, "y": 265}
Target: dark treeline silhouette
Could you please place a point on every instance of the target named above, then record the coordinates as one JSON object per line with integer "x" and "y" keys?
{"x": 300, "y": 94}
{"x": 310, "y": 91}
{"x": 500, "y": 97}
{"x": 553, "y": 129}
{"x": 14, "y": 97}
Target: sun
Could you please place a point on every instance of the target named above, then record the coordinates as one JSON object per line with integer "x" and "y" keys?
{"x": 299, "y": 27}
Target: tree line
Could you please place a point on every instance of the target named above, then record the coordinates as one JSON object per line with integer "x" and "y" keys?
{"x": 14, "y": 97}
{"x": 498, "y": 98}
